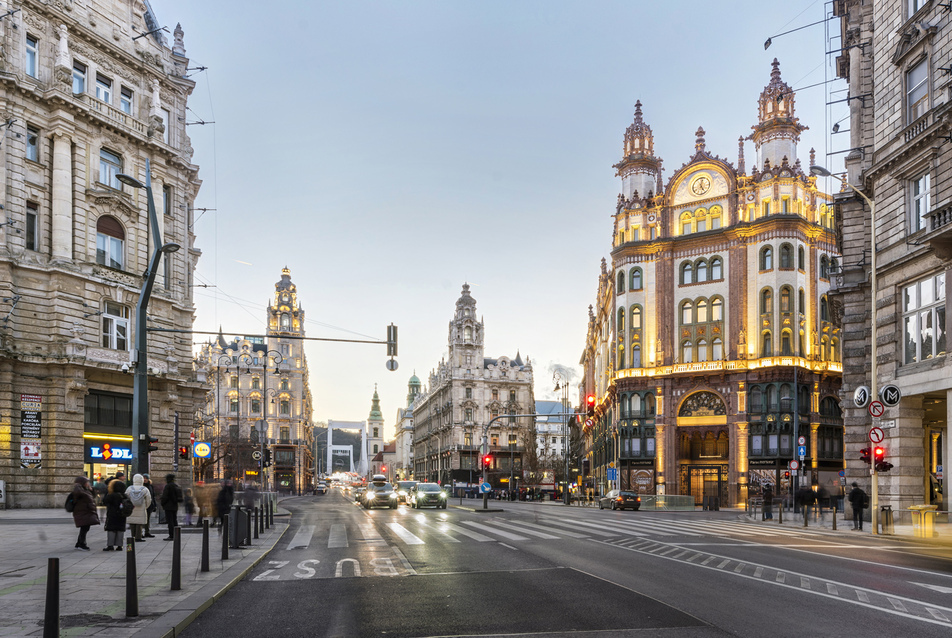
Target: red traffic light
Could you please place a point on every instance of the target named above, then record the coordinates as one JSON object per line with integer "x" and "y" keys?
{"x": 487, "y": 460}
{"x": 183, "y": 452}
{"x": 590, "y": 404}
{"x": 383, "y": 468}
{"x": 880, "y": 452}
{"x": 866, "y": 455}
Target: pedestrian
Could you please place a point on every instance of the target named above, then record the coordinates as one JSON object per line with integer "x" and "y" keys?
{"x": 115, "y": 521}
{"x": 171, "y": 497}
{"x": 84, "y": 510}
{"x": 153, "y": 505}
{"x": 806, "y": 498}
{"x": 250, "y": 496}
{"x": 189, "y": 506}
{"x": 858, "y": 501}
{"x": 99, "y": 489}
{"x": 226, "y": 496}
{"x": 141, "y": 498}
{"x": 768, "y": 502}
{"x": 823, "y": 498}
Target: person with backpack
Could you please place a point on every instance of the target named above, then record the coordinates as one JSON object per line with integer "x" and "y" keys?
{"x": 170, "y": 499}
{"x": 858, "y": 500}
{"x": 141, "y": 500}
{"x": 83, "y": 506}
{"x": 115, "y": 518}
{"x": 147, "y": 482}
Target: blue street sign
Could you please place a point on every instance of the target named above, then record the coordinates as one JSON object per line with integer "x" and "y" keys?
{"x": 801, "y": 450}
{"x": 612, "y": 474}
{"x": 484, "y": 488}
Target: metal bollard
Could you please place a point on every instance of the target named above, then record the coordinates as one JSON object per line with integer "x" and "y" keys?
{"x": 51, "y": 616}
{"x": 224, "y": 536}
{"x": 248, "y": 526}
{"x": 176, "y": 559}
{"x": 255, "y": 525}
{"x": 205, "y": 566}
{"x": 806, "y": 513}
{"x": 271, "y": 512}
{"x": 834, "y": 518}
{"x": 780, "y": 517}
{"x": 132, "y": 585}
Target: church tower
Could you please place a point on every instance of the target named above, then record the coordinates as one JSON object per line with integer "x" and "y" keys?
{"x": 466, "y": 334}
{"x": 414, "y": 387}
{"x": 778, "y": 129}
{"x": 375, "y": 436}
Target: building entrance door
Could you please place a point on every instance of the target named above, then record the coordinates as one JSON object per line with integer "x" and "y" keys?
{"x": 704, "y": 481}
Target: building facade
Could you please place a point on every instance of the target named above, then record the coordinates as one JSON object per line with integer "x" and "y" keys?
{"x": 712, "y": 347}
{"x": 90, "y": 94}
{"x": 260, "y": 401}
{"x": 465, "y": 393}
{"x": 900, "y": 117}
{"x": 403, "y": 439}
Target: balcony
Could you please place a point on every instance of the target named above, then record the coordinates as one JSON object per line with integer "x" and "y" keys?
{"x": 939, "y": 233}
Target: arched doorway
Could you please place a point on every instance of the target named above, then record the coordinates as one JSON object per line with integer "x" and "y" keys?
{"x": 703, "y": 448}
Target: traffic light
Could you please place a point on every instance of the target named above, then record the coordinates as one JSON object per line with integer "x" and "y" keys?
{"x": 391, "y": 340}
{"x": 183, "y": 452}
{"x": 786, "y": 474}
{"x": 150, "y": 447}
{"x": 866, "y": 455}
{"x": 267, "y": 458}
{"x": 487, "y": 461}
{"x": 882, "y": 465}
{"x": 590, "y": 404}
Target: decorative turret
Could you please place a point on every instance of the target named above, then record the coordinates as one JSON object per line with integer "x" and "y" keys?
{"x": 640, "y": 170}
{"x": 414, "y": 387}
{"x": 778, "y": 129}
{"x": 375, "y": 413}
{"x": 466, "y": 333}
{"x": 285, "y": 316}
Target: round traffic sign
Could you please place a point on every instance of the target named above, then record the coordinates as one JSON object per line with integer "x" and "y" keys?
{"x": 876, "y": 409}
{"x": 876, "y": 435}
{"x": 802, "y": 440}
{"x": 890, "y": 395}
{"x": 794, "y": 465}
{"x": 256, "y": 455}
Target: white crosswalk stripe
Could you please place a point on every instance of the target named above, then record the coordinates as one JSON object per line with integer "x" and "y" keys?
{"x": 338, "y": 536}
{"x": 405, "y": 535}
{"x": 497, "y": 532}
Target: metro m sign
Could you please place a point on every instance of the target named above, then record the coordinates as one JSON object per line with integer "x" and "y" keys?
{"x": 890, "y": 395}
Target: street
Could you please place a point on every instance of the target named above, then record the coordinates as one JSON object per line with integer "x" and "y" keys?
{"x": 546, "y": 570}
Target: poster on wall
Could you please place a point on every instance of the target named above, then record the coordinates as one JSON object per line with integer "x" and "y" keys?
{"x": 31, "y": 430}
{"x": 642, "y": 481}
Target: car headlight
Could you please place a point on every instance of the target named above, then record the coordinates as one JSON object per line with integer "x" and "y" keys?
{"x": 370, "y": 495}
{"x": 403, "y": 492}
{"x": 442, "y": 494}
{"x": 392, "y": 495}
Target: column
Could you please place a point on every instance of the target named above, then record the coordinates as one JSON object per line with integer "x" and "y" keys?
{"x": 62, "y": 197}
{"x": 740, "y": 461}
{"x": 947, "y": 454}
{"x": 660, "y": 452}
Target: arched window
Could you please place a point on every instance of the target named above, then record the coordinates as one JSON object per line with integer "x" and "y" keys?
{"x": 786, "y": 257}
{"x": 717, "y": 309}
{"x": 621, "y": 323}
{"x": 687, "y": 273}
{"x": 621, "y": 282}
{"x": 636, "y": 283}
{"x": 700, "y": 270}
{"x": 772, "y": 404}
{"x": 620, "y": 365}
{"x": 700, "y": 311}
{"x": 766, "y": 258}
{"x": 687, "y": 352}
{"x": 834, "y": 349}
{"x": 636, "y": 356}
{"x": 715, "y": 216}
{"x": 786, "y": 342}
{"x": 686, "y": 223}
{"x": 824, "y": 216}
{"x": 824, "y": 309}
{"x": 766, "y": 301}
{"x": 785, "y": 300}
{"x": 717, "y": 269}
{"x": 649, "y": 405}
{"x": 824, "y": 268}
{"x": 756, "y": 400}
{"x": 110, "y": 242}
{"x": 285, "y": 321}
{"x": 635, "y": 317}
{"x": 636, "y": 408}
{"x": 801, "y": 259}
{"x": 717, "y": 349}
{"x": 786, "y": 398}
{"x": 702, "y": 350}
{"x": 686, "y": 313}
{"x": 766, "y": 345}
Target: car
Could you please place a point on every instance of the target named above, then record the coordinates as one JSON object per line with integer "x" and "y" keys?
{"x": 620, "y": 500}
{"x": 358, "y": 492}
{"x": 427, "y": 495}
{"x": 379, "y": 494}
{"x": 321, "y": 488}
{"x": 403, "y": 490}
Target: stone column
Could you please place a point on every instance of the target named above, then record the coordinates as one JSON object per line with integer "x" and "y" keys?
{"x": 740, "y": 462}
{"x": 947, "y": 455}
{"x": 62, "y": 199}
{"x": 660, "y": 453}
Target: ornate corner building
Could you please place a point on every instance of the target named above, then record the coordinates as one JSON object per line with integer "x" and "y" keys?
{"x": 465, "y": 392}
{"x": 900, "y": 119}
{"x": 260, "y": 401}
{"x": 89, "y": 91}
{"x": 713, "y": 346}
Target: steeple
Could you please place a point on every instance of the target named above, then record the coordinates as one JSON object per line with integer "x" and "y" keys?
{"x": 639, "y": 169}
{"x": 778, "y": 129}
{"x": 375, "y": 413}
{"x": 414, "y": 387}
{"x": 466, "y": 334}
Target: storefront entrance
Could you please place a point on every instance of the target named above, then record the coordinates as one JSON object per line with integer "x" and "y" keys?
{"x": 704, "y": 481}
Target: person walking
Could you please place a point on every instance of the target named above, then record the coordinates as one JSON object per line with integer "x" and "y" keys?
{"x": 147, "y": 483}
{"x": 84, "y": 510}
{"x": 857, "y": 500}
{"x": 115, "y": 521}
{"x": 170, "y": 499}
{"x": 768, "y": 502}
{"x": 99, "y": 490}
{"x": 226, "y": 496}
{"x": 189, "y": 505}
{"x": 139, "y": 494}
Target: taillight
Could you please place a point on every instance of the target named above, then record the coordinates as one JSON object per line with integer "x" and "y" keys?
{"x": 639, "y": 499}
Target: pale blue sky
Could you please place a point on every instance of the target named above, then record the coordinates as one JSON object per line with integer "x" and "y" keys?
{"x": 387, "y": 152}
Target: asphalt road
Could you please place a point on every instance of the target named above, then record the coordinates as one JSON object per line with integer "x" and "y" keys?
{"x": 545, "y": 570}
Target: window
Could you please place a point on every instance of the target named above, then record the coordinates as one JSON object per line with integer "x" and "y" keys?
{"x": 32, "y": 45}
{"x": 469, "y": 393}
{"x": 686, "y": 223}
{"x": 786, "y": 343}
{"x": 824, "y": 268}
{"x": 635, "y": 317}
{"x": 79, "y": 78}
{"x": 285, "y": 385}
{"x": 917, "y": 91}
{"x": 786, "y": 257}
{"x": 233, "y": 382}
{"x": 700, "y": 270}
{"x": 766, "y": 346}
{"x": 376, "y": 433}
{"x": 285, "y": 321}
{"x": 125, "y": 100}
{"x": 686, "y": 313}
{"x": 715, "y": 217}
{"x": 256, "y": 405}
{"x": 110, "y": 165}
{"x": 621, "y": 322}
{"x": 115, "y": 326}
{"x": 701, "y": 221}
{"x": 621, "y": 282}
{"x": 923, "y": 320}
{"x": 103, "y": 89}
{"x": 824, "y": 309}
{"x": 233, "y": 404}
{"x": 32, "y": 144}
{"x": 803, "y": 302}
{"x": 717, "y": 309}
{"x": 32, "y": 227}
{"x": 766, "y": 258}
{"x": 717, "y": 349}
{"x": 756, "y": 400}
{"x": 701, "y": 311}
{"x": 636, "y": 279}
{"x": 785, "y": 299}
{"x": 636, "y": 356}
{"x": 766, "y": 208}
{"x": 687, "y": 273}
{"x": 717, "y": 269}
{"x": 285, "y": 407}
{"x": 702, "y": 350}
{"x": 766, "y": 301}
{"x": 801, "y": 259}
{"x": 919, "y": 211}
{"x": 785, "y": 205}
{"x": 512, "y": 396}
{"x": 468, "y": 416}
{"x": 167, "y": 199}
{"x": 110, "y": 242}
{"x": 255, "y": 383}
{"x": 687, "y": 352}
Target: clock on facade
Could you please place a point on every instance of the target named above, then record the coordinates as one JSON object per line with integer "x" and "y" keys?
{"x": 701, "y": 185}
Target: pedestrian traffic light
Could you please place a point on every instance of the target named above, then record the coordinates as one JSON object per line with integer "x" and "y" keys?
{"x": 487, "y": 461}
{"x": 866, "y": 455}
{"x": 882, "y": 465}
{"x": 183, "y": 452}
{"x": 150, "y": 447}
{"x": 267, "y": 458}
{"x": 590, "y": 404}
{"x": 786, "y": 474}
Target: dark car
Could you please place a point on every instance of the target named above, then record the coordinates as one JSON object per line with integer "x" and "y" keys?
{"x": 403, "y": 490}
{"x": 427, "y": 495}
{"x": 379, "y": 495}
{"x": 358, "y": 493}
{"x": 620, "y": 500}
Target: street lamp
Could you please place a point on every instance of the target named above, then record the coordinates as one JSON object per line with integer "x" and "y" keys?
{"x": 263, "y": 432}
{"x": 874, "y": 483}
{"x": 140, "y": 382}
{"x": 561, "y": 384}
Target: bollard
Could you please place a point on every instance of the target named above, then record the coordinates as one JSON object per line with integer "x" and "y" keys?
{"x": 255, "y": 525}
{"x": 834, "y": 518}
{"x": 806, "y": 513}
{"x": 248, "y": 526}
{"x": 51, "y": 617}
{"x": 205, "y": 566}
{"x": 132, "y": 585}
{"x": 176, "y": 559}
{"x": 271, "y": 512}
{"x": 780, "y": 517}
{"x": 224, "y": 536}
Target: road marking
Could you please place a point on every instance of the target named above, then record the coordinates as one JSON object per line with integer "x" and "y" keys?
{"x": 758, "y": 572}
{"x": 275, "y": 566}
{"x": 498, "y": 532}
{"x": 938, "y": 615}
{"x": 549, "y": 529}
{"x": 938, "y": 588}
{"x": 371, "y": 535}
{"x": 780, "y": 577}
{"x": 406, "y": 564}
{"x": 476, "y": 536}
{"x": 306, "y": 570}
{"x": 804, "y": 582}
{"x": 740, "y": 567}
{"x": 338, "y": 536}
{"x": 707, "y": 560}
{"x": 531, "y": 532}
{"x": 897, "y": 604}
{"x": 405, "y": 535}
{"x": 596, "y": 528}
{"x": 723, "y": 564}
{"x": 441, "y": 528}
{"x": 339, "y": 570}
{"x": 509, "y": 547}
{"x": 862, "y": 596}
{"x": 830, "y": 587}
{"x": 302, "y": 538}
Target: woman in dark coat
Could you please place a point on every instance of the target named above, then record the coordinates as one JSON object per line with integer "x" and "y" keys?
{"x": 115, "y": 521}
{"x": 84, "y": 510}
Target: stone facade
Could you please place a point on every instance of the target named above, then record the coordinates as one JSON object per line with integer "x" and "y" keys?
{"x": 465, "y": 392}
{"x": 84, "y": 99}
{"x": 403, "y": 439}
{"x": 712, "y": 346}
{"x": 900, "y": 118}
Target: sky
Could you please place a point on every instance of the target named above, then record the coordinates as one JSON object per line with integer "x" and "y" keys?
{"x": 389, "y": 152}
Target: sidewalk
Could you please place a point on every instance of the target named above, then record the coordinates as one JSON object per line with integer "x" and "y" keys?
{"x": 93, "y": 583}
{"x": 942, "y": 531}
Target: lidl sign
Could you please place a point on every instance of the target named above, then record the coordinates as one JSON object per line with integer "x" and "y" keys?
{"x": 108, "y": 453}
{"x": 201, "y": 450}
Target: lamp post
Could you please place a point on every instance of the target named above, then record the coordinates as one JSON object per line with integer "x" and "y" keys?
{"x": 873, "y": 390}
{"x": 263, "y": 432}
{"x": 140, "y": 383}
{"x": 561, "y": 384}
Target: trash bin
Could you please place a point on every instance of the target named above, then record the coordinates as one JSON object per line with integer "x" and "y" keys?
{"x": 238, "y": 527}
{"x": 887, "y": 519}
{"x": 923, "y": 520}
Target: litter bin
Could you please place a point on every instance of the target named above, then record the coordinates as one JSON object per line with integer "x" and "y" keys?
{"x": 238, "y": 527}
{"x": 923, "y": 520}
{"x": 887, "y": 519}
